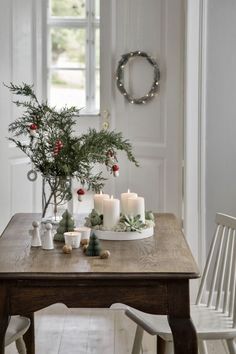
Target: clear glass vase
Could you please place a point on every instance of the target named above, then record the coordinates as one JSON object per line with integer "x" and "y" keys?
{"x": 56, "y": 193}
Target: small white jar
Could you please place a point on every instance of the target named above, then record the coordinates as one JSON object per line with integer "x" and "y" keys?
{"x": 85, "y": 232}
{"x": 72, "y": 238}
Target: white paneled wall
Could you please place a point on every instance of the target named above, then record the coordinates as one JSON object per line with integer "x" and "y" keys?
{"x": 155, "y": 129}
{"x": 220, "y": 112}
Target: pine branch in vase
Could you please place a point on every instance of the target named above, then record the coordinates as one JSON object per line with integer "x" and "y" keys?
{"x": 46, "y": 135}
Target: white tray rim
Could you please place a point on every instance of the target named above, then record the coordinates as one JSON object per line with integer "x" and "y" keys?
{"x": 124, "y": 236}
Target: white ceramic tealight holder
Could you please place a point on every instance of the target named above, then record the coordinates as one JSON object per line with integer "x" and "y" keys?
{"x": 72, "y": 238}
{"x": 47, "y": 239}
{"x": 85, "y": 232}
{"x": 35, "y": 234}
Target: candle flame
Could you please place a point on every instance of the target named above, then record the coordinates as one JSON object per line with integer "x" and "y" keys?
{"x": 100, "y": 192}
{"x": 111, "y": 196}
{"x": 128, "y": 190}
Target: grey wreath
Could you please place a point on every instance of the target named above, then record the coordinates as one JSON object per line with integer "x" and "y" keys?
{"x": 120, "y": 77}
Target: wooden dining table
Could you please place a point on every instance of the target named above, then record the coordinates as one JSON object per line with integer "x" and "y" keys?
{"x": 151, "y": 275}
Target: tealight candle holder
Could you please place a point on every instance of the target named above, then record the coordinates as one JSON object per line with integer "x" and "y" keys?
{"x": 72, "y": 238}
{"x": 85, "y": 232}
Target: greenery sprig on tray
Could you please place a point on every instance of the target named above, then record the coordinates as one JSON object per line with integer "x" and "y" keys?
{"x": 126, "y": 223}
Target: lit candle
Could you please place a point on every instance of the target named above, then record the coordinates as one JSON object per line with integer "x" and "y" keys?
{"x": 98, "y": 202}
{"x": 124, "y": 201}
{"x": 136, "y": 206}
{"x": 111, "y": 212}
{"x": 72, "y": 238}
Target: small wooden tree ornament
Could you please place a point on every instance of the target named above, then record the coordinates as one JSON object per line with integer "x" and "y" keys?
{"x": 94, "y": 248}
{"x": 66, "y": 224}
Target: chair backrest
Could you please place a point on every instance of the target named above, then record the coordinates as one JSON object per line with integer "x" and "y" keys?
{"x": 220, "y": 270}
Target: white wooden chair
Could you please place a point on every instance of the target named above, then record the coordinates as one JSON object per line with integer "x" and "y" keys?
{"x": 214, "y": 313}
{"x": 17, "y": 327}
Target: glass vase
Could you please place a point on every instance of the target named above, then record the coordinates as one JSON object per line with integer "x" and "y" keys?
{"x": 56, "y": 195}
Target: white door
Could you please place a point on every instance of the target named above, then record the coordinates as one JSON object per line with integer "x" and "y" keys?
{"x": 155, "y": 129}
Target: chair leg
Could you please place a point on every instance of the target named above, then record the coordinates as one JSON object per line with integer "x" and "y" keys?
{"x": 202, "y": 347}
{"x": 161, "y": 345}
{"x": 137, "y": 340}
{"x": 20, "y": 345}
{"x": 231, "y": 346}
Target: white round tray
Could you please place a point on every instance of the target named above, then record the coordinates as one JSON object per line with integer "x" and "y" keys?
{"x": 123, "y": 236}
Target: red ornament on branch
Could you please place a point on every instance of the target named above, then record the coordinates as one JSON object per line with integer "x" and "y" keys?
{"x": 115, "y": 170}
{"x": 58, "y": 147}
{"x": 80, "y": 193}
{"x": 33, "y": 129}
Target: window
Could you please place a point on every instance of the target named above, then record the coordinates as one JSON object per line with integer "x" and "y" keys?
{"x": 73, "y": 54}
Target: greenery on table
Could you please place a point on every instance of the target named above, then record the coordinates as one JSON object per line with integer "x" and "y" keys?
{"x": 129, "y": 223}
{"x": 126, "y": 223}
{"x": 55, "y": 151}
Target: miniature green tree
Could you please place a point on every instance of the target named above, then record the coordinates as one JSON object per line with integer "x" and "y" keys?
{"x": 94, "y": 247}
{"x": 66, "y": 224}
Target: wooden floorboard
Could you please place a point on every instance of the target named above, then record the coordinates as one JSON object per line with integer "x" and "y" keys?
{"x": 89, "y": 331}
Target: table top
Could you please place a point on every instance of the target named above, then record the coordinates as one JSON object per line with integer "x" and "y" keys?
{"x": 164, "y": 255}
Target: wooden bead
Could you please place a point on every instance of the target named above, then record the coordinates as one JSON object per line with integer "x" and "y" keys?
{"x": 105, "y": 254}
{"x": 84, "y": 242}
{"x": 85, "y": 247}
{"x": 67, "y": 249}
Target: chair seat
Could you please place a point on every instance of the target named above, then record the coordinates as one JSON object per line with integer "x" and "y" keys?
{"x": 209, "y": 323}
{"x": 17, "y": 327}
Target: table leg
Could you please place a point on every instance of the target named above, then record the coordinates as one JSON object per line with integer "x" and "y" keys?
{"x": 183, "y": 330}
{"x": 161, "y": 345}
{"x": 4, "y": 317}
{"x": 29, "y": 337}
{"x": 184, "y": 335}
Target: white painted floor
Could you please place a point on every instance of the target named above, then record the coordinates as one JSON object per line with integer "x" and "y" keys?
{"x": 89, "y": 331}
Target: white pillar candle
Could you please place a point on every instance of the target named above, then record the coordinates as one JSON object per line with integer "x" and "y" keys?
{"x": 111, "y": 212}
{"x": 124, "y": 201}
{"x": 136, "y": 206}
{"x": 98, "y": 202}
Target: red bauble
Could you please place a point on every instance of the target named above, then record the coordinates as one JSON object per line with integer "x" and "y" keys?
{"x": 115, "y": 170}
{"x": 80, "y": 193}
{"x": 33, "y": 126}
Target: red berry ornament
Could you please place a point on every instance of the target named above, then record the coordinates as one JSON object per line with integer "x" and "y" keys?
{"x": 80, "y": 193}
{"x": 115, "y": 170}
{"x": 33, "y": 130}
{"x": 58, "y": 147}
{"x": 33, "y": 126}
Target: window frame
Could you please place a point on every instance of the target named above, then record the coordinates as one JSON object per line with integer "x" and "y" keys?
{"x": 90, "y": 23}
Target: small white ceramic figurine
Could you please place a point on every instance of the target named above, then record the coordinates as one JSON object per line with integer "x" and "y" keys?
{"x": 47, "y": 239}
{"x": 34, "y": 233}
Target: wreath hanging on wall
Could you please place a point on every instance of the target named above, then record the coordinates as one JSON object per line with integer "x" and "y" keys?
{"x": 120, "y": 77}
